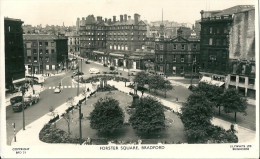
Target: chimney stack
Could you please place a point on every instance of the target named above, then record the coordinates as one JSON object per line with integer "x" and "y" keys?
{"x": 114, "y": 19}
{"x": 129, "y": 17}
{"x": 136, "y": 18}
{"x": 105, "y": 20}
{"x": 109, "y": 21}
{"x": 99, "y": 18}
{"x": 125, "y": 17}
{"x": 121, "y": 18}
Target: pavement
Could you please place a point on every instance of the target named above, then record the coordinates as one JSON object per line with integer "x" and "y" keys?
{"x": 30, "y": 136}
{"x": 32, "y": 130}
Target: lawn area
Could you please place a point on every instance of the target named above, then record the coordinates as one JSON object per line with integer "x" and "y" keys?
{"x": 174, "y": 132}
{"x": 179, "y": 92}
{"x": 187, "y": 80}
{"x": 247, "y": 121}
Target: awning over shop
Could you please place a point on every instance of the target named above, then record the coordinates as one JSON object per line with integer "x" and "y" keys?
{"x": 99, "y": 52}
{"x": 116, "y": 55}
{"x": 208, "y": 80}
{"x": 18, "y": 80}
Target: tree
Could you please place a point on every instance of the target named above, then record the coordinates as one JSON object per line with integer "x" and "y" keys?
{"x": 213, "y": 93}
{"x": 232, "y": 101}
{"x": 67, "y": 117}
{"x": 155, "y": 82}
{"x": 166, "y": 86}
{"x": 107, "y": 115}
{"x": 196, "y": 116}
{"x": 197, "y": 111}
{"x": 148, "y": 117}
{"x": 141, "y": 78}
{"x": 68, "y": 120}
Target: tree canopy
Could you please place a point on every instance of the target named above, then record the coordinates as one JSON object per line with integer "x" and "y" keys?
{"x": 197, "y": 111}
{"x": 196, "y": 116}
{"x": 107, "y": 115}
{"x": 233, "y": 102}
{"x": 213, "y": 93}
{"x": 141, "y": 78}
{"x": 148, "y": 117}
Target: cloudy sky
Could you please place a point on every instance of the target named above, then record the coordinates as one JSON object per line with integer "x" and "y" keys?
{"x": 55, "y": 12}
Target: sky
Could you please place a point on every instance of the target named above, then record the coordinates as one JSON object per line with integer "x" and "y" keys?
{"x": 55, "y": 12}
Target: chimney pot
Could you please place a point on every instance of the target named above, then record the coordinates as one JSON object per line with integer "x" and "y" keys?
{"x": 114, "y": 19}
{"x": 121, "y": 18}
{"x": 125, "y": 17}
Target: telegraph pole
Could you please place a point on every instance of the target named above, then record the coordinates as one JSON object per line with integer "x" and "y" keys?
{"x": 80, "y": 115}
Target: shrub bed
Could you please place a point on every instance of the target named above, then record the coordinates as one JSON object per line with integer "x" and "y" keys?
{"x": 106, "y": 88}
{"x": 54, "y": 119}
{"x": 50, "y": 134}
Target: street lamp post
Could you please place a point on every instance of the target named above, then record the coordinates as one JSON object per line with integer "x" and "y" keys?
{"x": 81, "y": 64}
{"x": 80, "y": 115}
{"x": 14, "y": 132}
{"x": 42, "y": 66}
{"x": 23, "y": 91}
{"x": 191, "y": 73}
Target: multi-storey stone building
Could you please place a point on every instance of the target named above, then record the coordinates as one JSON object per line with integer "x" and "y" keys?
{"x": 14, "y": 56}
{"x": 44, "y": 53}
{"x": 92, "y": 35}
{"x": 177, "y": 56}
{"x": 111, "y": 41}
{"x": 73, "y": 42}
{"x": 228, "y": 47}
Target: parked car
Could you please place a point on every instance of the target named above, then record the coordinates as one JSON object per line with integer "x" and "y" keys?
{"x": 94, "y": 71}
{"x": 87, "y": 62}
{"x": 57, "y": 90}
{"x": 76, "y": 74}
{"x": 105, "y": 65}
{"x": 112, "y": 68}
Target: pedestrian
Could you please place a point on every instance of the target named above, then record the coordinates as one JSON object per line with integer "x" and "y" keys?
{"x": 142, "y": 92}
{"x": 88, "y": 89}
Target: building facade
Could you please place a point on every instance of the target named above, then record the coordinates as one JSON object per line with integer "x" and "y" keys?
{"x": 177, "y": 56}
{"x": 92, "y": 35}
{"x": 111, "y": 41}
{"x": 73, "y": 42}
{"x": 14, "y": 55}
{"x": 44, "y": 53}
{"x": 228, "y": 47}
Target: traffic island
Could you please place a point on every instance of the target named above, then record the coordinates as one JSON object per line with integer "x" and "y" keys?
{"x": 124, "y": 135}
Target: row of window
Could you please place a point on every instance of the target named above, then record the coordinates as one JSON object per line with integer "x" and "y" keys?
{"x": 118, "y": 47}
{"x": 243, "y": 70}
{"x": 215, "y": 30}
{"x": 176, "y": 46}
{"x": 74, "y": 43}
{"x": 47, "y": 67}
{"x": 174, "y": 69}
{"x": 122, "y": 38}
{"x": 115, "y": 27}
{"x": 29, "y": 44}
{"x": 159, "y": 58}
{"x": 112, "y": 33}
{"x": 216, "y": 42}
{"x": 35, "y": 59}
{"x": 241, "y": 80}
{"x": 40, "y": 51}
